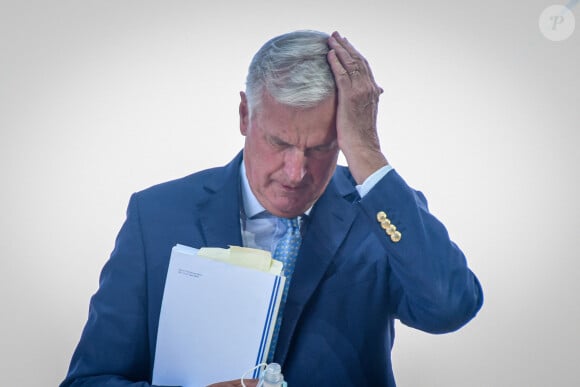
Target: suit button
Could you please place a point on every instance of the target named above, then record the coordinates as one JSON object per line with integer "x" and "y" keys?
{"x": 381, "y": 216}
{"x": 386, "y": 223}
{"x": 391, "y": 229}
{"x": 396, "y": 236}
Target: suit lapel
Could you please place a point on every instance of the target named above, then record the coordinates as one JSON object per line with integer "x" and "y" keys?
{"x": 219, "y": 212}
{"x": 329, "y": 223}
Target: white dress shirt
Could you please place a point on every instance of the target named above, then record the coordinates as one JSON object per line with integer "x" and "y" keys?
{"x": 262, "y": 230}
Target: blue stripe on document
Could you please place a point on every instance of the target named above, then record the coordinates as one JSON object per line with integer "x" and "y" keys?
{"x": 267, "y": 325}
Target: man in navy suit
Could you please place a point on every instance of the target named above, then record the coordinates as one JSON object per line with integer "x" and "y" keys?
{"x": 371, "y": 252}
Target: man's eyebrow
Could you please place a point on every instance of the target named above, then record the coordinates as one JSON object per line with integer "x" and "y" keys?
{"x": 324, "y": 146}
{"x": 328, "y": 144}
{"x": 277, "y": 140}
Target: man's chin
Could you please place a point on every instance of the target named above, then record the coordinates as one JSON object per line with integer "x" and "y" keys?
{"x": 288, "y": 213}
{"x": 289, "y": 210}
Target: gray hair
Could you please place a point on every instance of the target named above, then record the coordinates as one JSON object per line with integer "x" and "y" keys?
{"x": 293, "y": 69}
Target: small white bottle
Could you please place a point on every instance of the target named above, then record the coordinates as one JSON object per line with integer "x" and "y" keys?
{"x": 272, "y": 376}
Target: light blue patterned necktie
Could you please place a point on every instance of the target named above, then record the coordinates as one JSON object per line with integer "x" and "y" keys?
{"x": 286, "y": 252}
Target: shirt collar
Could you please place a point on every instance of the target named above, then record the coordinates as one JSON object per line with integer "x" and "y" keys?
{"x": 252, "y": 206}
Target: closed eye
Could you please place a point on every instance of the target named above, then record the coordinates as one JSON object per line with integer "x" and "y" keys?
{"x": 321, "y": 149}
{"x": 278, "y": 142}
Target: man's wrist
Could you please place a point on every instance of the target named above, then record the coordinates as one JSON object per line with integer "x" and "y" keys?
{"x": 364, "y": 162}
{"x": 372, "y": 180}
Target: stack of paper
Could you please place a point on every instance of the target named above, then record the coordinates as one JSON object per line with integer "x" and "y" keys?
{"x": 217, "y": 316}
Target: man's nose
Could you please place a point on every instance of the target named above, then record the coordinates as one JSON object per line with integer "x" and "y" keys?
{"x": 295, "y": 166}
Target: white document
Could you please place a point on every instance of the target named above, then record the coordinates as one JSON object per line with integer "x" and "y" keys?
{"x": 216, "y": 320}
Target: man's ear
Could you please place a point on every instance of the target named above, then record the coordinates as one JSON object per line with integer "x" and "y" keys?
{"x": 244, "y": 114}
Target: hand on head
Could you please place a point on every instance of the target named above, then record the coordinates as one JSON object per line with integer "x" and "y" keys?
{"x": 357, "y": 108}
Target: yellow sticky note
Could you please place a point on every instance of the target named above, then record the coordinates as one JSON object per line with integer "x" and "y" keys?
{"x": 244, "y": 256}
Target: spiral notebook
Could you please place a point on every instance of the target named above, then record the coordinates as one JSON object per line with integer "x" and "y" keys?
{"x": 217, "y": 315}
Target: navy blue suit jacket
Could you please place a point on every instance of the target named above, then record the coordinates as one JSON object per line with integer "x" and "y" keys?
{"x": 350, "y": 281}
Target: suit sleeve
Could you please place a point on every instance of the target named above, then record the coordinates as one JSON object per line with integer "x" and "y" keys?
{"x": 431, "y": 287}
{"x": 113, "y": 349}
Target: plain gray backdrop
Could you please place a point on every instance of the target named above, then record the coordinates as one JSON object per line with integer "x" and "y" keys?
{"x": 99, "y": 99}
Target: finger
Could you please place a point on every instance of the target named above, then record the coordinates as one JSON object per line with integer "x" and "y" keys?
{"x": 372, "y": 77}
{"x": 344, "y": 44}
{"x": 340, "y": 74}
{"x": 350, "y": 58}
{"x": 344, "y": 58}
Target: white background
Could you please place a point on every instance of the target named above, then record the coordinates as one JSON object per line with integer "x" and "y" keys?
{"x": 99, "y": 99}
